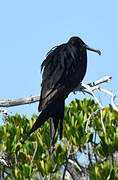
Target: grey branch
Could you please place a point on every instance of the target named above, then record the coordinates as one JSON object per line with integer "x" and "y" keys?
{"x": 74, "y": 172}
{"x": 88, "y": 87}
{"x": 93, "y": 84}
{"x": 35, "y": 151}
{"x": 112, "y": 97}
{"x": 20, "y": 101}
{"x": 36, "y": 98}
{"x": 91, "y": 116}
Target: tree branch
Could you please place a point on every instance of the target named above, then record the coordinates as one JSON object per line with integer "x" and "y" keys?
{"x": 91, "y": 92}
{"x": 36, "y": 98}
{"x": 74, "y": 172}
{"x": 35, "y": 151}
{"x": 80, "y": 87}
{"x": 20, "y": 101}
{"x": 112, "y": 97}
{"x": 91, "y": 116}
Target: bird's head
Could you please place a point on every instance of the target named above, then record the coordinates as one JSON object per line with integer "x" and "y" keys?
{"x": 76, "y": 41}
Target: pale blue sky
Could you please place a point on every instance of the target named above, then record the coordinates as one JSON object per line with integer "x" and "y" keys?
{"x": 29, "y": 29}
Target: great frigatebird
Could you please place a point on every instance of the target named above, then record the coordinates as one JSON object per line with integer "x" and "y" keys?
{"x": 63, "y": 69}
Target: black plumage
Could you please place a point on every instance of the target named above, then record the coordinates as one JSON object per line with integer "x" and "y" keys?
{"x": 63, "y": 69}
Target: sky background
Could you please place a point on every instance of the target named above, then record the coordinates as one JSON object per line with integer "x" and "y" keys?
{"x": 29, "y": 29}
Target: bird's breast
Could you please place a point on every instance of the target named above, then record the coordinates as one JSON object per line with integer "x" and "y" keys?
{"x": 76, "y": 73}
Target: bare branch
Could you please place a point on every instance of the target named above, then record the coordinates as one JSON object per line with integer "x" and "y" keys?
{"x": 100, "y": 81}
{"x": 91, "y": 115}
{"x": 109, "y": 93}
{"x": 101, "y": 114}
{"x": 112, "y": 97}
{"x": 33, "y": 99}
{"x": 91, "y": 91}
{"x": 4, "y": 159}
{"x": 34, "y": 152}
{"x": 74, "y": 172}
{"x": 4, "y": 110}
{"x": 93, "y": 84}
{"x": 89, "y": 156}
{"x": 99, "y": 103}
{"x": 20, "y": 101}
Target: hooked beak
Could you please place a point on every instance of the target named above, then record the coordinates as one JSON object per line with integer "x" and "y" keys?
{"x": 92, "y": 49}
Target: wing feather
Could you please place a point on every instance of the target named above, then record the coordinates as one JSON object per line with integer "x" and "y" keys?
{"x": 58, "y": 68}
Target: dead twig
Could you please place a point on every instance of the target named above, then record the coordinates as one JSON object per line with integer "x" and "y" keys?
{"x": 91, "y": 116}
{"x": 34, "y": 152}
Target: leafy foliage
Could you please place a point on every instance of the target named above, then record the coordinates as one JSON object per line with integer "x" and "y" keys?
{"x": 29, "y": 157}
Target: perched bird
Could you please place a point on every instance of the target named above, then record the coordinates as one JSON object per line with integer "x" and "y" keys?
{"x": 63, "y": 69}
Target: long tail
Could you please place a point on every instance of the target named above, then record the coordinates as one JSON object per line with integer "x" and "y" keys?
{"x": 56, "y": 113}
{"x": 40, "y": 121}
{"x": 59, "y": 115}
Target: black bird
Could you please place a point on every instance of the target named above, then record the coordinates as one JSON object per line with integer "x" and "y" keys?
{"x": 63, "y": 69}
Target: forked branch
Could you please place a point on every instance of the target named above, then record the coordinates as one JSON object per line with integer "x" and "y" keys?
{"x": 32, "y": 99}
